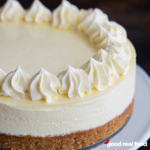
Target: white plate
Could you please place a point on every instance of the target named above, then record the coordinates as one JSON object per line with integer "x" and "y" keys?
{"x": 138, "y": 127}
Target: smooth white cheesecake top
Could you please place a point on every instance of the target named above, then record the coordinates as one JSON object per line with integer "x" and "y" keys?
{"x": 35, "y": 46}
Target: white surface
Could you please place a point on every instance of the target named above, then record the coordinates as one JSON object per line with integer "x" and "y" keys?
{"x": 138, "y": 127}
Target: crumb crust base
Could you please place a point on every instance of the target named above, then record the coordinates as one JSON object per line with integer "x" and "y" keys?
{"x": 68, "y": 142}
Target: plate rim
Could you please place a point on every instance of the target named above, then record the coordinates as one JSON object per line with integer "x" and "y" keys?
{"x": 146, "y": 135}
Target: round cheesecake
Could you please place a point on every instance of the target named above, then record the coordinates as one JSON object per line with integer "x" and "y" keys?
{"x": 67, "y": 77}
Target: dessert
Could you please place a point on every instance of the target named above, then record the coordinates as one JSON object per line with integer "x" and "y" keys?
{"x": 41, "y": 105}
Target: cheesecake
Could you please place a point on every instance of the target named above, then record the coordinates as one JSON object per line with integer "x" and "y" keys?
{"x": 67, "y": 76}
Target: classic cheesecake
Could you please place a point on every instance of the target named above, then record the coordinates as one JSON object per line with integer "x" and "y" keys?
{"x": 67, "y": 76}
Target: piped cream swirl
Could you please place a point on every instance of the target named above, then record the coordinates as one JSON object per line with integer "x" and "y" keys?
{"x": 101, "y": 38}
{"x": 100, "y": 30}
{"x": 116, "y": 30}
{"x": 116, "y": 57}
{"x": 91, "y": 23}
{"x": 12, "y": 10}
{"x": 44, "y": 85}
{"x": 99, "y": 74}
{"x": 38, "y": 13}
{"x": 15, "y": 84}
{"x": 75, "y": 82}
{"x": 66, "y": 15}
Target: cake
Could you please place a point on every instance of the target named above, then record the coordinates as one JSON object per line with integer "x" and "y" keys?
{"x": 67, "y": 76}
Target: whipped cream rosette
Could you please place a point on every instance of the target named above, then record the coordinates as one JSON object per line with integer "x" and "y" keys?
{"x": 75, "y": 82}
{"x": 11, "y": 11}
{"x": 44, "y": 85}
{"x": 15, "y": 84}
{"x": 38, "y": 13}
{"x": 99, "y": 74}
{"x": 66, "y": 15}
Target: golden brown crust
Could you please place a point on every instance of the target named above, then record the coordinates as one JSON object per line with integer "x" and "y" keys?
{"x": 67, "y": 142}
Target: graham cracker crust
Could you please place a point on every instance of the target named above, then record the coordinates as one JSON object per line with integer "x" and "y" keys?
{"x": 68, "y": 142}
